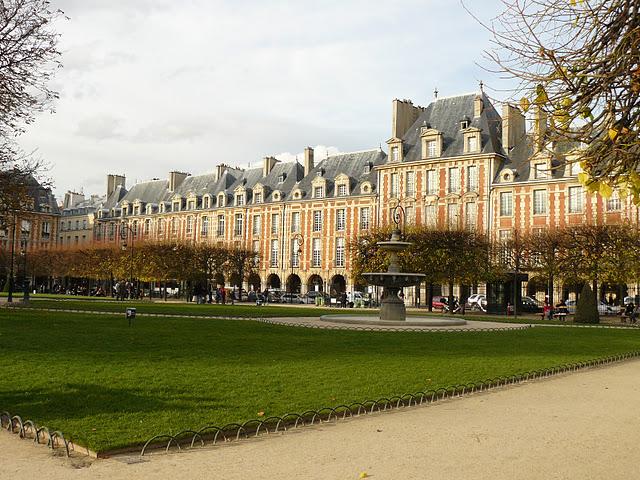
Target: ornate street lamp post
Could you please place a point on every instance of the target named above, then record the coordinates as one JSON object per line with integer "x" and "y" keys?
{"x": 13, "y": 253}
{"x": 25, "y": 276}
{"x": 125, "y": 232}
{"x": 296, "y": 240}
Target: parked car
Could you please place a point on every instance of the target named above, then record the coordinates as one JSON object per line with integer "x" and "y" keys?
{"x": 603, "y": 308}
{"x": 477, "y": 301}
{"x": 531, "y": 305}
{"x": 311, "y": 296}
{"x": 291, "y": 298}
{"x": 442, "y": 303}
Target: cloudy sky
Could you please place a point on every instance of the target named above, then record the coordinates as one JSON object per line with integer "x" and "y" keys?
{"x": 150, "y": 86}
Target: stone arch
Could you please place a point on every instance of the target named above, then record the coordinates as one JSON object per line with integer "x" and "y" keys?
{"x": 273, "y": 281}
{"x": 294, "y": 284}
{"x": 315, "y": 283}
{"x": 338, "y": 285}
{"x": 255, "y": 283}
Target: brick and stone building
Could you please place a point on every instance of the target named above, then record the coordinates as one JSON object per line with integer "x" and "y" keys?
{"x": 456, "y": 163}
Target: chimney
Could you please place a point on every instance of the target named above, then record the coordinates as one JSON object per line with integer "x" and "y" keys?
{"x": 539, "y": 127}
{"x": 220, "y": 169}
{"x": 269, "y": 163}
{"x": 308, "y": 160}
{"x": 513, "y": 127}
{"x": 113, "y": 182}
{"x": 478, "y": 106}
{"x": 404, "y": 115}
{"x": 176, "y": 179}
{"x": 71, "y": 199}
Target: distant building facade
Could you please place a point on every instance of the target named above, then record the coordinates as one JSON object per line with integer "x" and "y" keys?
{"x": 76, "y": 221}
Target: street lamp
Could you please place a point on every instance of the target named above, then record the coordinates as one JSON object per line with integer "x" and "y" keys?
{"x": 125, "y": 231}
{"x": 296, "y": 240}
{"x": 25, "y": 277}
{"x": 13, "y": 252}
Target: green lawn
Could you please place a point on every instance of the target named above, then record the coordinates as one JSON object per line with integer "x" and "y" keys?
{"x": 109, "y": 386}
{"x": 170, "y": 308}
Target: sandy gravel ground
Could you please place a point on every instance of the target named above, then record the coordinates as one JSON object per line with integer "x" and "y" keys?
{"x": 576, "y": 426}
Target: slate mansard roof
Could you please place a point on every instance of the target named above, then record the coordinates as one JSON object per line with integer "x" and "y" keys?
{"x": 445, "y": 115}
{"x": 285, "y": 177}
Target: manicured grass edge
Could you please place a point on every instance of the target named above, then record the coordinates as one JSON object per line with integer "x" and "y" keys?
{"x": 254, "y": 427}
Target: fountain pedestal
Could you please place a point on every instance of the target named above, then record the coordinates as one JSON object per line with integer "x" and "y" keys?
{"x": 392, "y": 306}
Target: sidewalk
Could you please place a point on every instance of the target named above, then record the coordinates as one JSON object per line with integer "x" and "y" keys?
{"x": 582, "y": 425}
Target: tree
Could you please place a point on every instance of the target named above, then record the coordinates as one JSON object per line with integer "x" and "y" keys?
{"x": 546, "y": 251}
{"x": 29, "y": 56}
{"x": 578, "y": 62}
{"x": 586, "y": 308}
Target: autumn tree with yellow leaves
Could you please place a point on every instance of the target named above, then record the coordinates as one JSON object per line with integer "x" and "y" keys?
{"x": 578, "y": 61}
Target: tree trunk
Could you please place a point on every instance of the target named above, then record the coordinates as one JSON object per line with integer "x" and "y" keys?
{"x": 450, "y": 296}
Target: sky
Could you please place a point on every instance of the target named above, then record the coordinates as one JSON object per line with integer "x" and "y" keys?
{"x": 151, "y": 86}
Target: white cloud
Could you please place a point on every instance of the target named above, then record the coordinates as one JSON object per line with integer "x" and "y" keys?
{"x": 150, "y": 86}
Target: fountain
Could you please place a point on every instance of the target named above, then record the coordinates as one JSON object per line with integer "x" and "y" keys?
{"x": 392, "y": 308}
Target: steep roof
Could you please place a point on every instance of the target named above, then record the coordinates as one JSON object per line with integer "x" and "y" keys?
{"x": 350, "y": 164}
{"x": 445, "y": 115}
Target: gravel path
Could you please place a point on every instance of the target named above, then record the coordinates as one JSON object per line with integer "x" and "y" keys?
{"x": 582, "y": 425}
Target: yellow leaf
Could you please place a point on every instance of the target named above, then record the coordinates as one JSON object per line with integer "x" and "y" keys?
{"x": 605, "y": 190}
{"x": 525, "y": 104}
{"x": 613, "y": 134}
{"x": 364, "y": 474}
{"x": 593, "y": 187}
{"x": 583, "y": 178}
{"x": 541, "y": 95}
{"x": 624, "y": 193}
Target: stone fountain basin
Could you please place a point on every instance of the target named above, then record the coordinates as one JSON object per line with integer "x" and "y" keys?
{"x": 393, "y": 279}
{"x": 392, "y": 245}
{"x": 412, "y": 321}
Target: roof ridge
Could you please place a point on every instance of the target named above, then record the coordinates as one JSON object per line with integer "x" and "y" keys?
{"x": 376, "y": 149}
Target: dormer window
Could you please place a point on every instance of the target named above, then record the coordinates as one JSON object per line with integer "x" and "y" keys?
{"x": 239, "y": 199}
{"x": 318, "y": 192}
{"x": 276, "y": 196}
{"x": 472, "y": 140}
{"x": 431, "y": 142}
{"x": 176, "y": 205}
{"x": 282, "y": 177}
{"x": 257, "y": 197}
{"x": 472, "y": 144}
{"x": 206, "y": 202}
{"x": 221, "y": 200}
{"x": 395, "y": 154}
{"x": 191, "y": 204}
{"x": 342, "y": 190}
{"x": 367, "y": 168}
{"x": 464, "y": 124}
{"x": 540, "y": 170}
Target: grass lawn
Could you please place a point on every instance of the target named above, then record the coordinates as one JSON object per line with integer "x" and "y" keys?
{"x": 238, "y": 310}
{"x": 109, "y": 386}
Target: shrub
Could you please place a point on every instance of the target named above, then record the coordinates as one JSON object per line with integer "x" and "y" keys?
{"x": 586, "y": 308}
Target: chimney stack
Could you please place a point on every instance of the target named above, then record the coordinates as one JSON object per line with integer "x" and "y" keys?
{"x": 308, "y": 160}
{"x": 539, "y": 127}
{"x": 513, "y": 127}
{"x": 113, "y": 182}
{"x": 404, "y": 115}
{"x": 269, "y": 163}
{"x": 176, "y": 179}
{"x": 220, "y": 169}
{"x": 478, "y": 106}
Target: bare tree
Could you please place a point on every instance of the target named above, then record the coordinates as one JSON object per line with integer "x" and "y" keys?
{"x": 578, "y": 62}
{"x": 29, "y": 57}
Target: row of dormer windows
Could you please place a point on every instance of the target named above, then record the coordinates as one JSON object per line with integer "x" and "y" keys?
{"x": 431, "y": 186}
